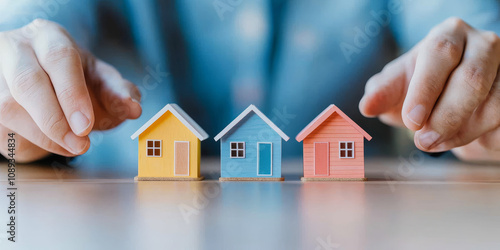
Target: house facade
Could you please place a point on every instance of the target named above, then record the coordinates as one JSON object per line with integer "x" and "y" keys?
{"x": 333, "y": 147}
{"x": 251, "y": 148}
{"x": 169, "y": 146}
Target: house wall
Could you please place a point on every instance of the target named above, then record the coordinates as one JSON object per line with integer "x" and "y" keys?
{"x": 168, "y": 129}
{"x": 333, "y": 130}
{"x": 251, "y": 130}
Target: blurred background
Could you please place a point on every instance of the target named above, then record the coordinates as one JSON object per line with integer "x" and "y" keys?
{"x": 215, "y": 57}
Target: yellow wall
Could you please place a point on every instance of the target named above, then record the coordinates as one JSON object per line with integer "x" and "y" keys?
{"x": 168, "y": 129}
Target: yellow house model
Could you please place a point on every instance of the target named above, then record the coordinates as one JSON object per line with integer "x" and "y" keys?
{"x": 169, "y": 146}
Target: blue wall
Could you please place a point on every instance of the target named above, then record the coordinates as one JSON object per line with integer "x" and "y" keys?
{"x": 251, "y": 130}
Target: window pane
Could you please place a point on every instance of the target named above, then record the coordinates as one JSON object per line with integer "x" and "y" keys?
{"x": 240, "y": 145}
{"x": 150, "y": 152}
{"x": 233, "y": 145}
{"x": 157, "y": 144}
{"x": 233, "y": 153}
{"x": 157, "y": 152}
{"x": 349, "y": 153}
{"x": 240, "y": 153}
{"x": 342, "y": 153}
{"x": 342, "y": 145}
{"x": 150, "y": 144}
{"x": 349, "y": 145}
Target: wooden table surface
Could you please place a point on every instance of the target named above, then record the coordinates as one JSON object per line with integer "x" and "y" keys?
{"x": 407, "y": 203}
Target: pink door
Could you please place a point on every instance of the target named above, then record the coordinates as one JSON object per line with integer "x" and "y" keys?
{"x": 181, "y": 158}
{"x": 321, "y": 155}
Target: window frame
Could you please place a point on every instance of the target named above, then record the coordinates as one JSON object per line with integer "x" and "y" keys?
{"x": 154, "y": 148}
{"x": 237, "y": 149}
{"x": 346, "y": 150}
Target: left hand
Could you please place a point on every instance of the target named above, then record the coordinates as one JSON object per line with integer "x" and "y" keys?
{"x": 447, "y": 89}
{"x": 52, "y": 93}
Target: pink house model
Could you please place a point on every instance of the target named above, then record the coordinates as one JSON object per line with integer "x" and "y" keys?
{"x": 333, "y": 147}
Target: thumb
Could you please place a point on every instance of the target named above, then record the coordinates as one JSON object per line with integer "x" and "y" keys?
{"x": 387, "y": 89}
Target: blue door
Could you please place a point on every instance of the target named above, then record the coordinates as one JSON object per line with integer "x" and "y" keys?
{"x": 265, "y": 159}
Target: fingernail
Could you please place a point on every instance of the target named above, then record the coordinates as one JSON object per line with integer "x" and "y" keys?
{"x": 427, "y": 139}
{"x": 417, "y": 115}
{"x": 136, "y": 95}
{"x": 75, "y": 143}
{"x": 79, "y": 122}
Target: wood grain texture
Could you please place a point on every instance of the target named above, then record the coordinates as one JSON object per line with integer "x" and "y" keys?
{"x": 250, "y": 179}
{"x": 331, "y": 179}
{"x": 168, "y": 129}
{"x": 332, "y": 131}
{"x": 326, "y": 115}
{"x": 169, "y": 178}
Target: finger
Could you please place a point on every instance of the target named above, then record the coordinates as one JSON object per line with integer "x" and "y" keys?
{"x": 60, "y": 59}
{"x": 484, "y": 120}
{"x": 387, "y": 89}
{"x": 25, "y": 151}
{"x": 491, "y": 140}
{"x": 467, "y": 88}
{"x": 119, "y": 97}
{"x": 12, "y": 115}
{"x": 475, "y": 152}
{"x": 438, "y": 56}
{"x": 31, "y": 88}
{"x": 393, "y": 117}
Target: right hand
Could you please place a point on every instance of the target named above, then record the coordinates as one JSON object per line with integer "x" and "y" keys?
{"x": 52, "y": 94}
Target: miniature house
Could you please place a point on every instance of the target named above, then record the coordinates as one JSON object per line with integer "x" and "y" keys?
{"x": 251, "y": 148}
{"x": 169, "y": 146}
{"x": 333, "y": 147}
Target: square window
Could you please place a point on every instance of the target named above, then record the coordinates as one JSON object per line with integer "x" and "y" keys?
{"x": 153, "y": 148}
{"x": 346, "y": 150}
{"x": 237, "y": 149}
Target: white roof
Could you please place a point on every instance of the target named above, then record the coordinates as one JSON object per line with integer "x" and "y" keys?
{"x": 243, "y": 115}
{"x": 181, "y": 115}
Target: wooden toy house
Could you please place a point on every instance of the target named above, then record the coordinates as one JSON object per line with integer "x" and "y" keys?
{"x": 251, "y": 148}
{"x": 169, "y": 146}
{"x": 333, "y": 147}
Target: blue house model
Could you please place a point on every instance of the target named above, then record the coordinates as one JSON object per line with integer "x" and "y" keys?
{"x": 251, "y": 148}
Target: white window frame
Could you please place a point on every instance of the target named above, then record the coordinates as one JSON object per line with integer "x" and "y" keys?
{"x": 346, "y": 150}
{"x": 153, "y": 148}
{"x": 237, "y": 150}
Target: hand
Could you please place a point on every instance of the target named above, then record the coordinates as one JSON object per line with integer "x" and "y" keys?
{"x": 52, "y": 94}
{"x": 446, "y": 89}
